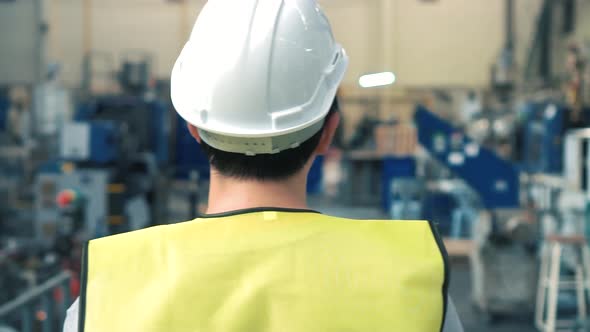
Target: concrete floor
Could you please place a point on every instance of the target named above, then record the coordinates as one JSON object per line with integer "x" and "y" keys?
{"x": 460, "y": 290}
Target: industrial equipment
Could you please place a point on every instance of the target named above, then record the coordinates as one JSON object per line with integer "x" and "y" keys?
{"x": 493, "y": 178}
{"x": 399, "y": 187}
{"x": 188, "y": 157}
{"x": 4, "y": 109}
{"x": 25, "y": 263}
{"x": 544, "y": 128}
{"x": 92, "y": 183}
{"x": 41, "y": 307}
{"x": 504, "y": 265}
{"x": 487, "y": 211}
{"x": 25, "y": 53}
{"x": 543, "y": 193}
{"x": 407, "y": 199}
{"x": 117, "y": 195}
{"x": 115, "y": 154}
{"x": 113, "y": 129}
{"x": 34, "y": 288}
{"x": 577, "y": 159}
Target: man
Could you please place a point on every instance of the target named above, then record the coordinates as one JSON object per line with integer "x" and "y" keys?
{"x": 257, "y": 83}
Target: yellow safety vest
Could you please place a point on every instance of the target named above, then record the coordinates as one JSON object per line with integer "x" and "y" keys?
{"x": 267, "y": 271}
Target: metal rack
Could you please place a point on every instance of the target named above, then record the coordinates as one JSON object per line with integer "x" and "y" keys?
{"x": 52, "y": 311}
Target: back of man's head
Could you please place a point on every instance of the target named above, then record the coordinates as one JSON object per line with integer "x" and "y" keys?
{"x": 266, "y": 167}
{"x": 256, "y": 82}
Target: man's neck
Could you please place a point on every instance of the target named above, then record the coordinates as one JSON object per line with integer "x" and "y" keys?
{"x": 229, "y": 194}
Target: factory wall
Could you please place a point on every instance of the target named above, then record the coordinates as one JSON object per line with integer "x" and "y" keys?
{"x": 111, "y": 29}
{"x": 405, "y": 36}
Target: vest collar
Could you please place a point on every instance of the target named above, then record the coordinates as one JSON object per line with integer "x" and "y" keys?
{"x": 254, "y": 210}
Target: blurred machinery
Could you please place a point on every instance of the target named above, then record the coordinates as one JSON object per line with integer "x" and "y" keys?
{"x": 28, "y": 92}
{"x": 484, "y": 184}
{"x": 4, "y": 109}
{"x": 543, "y": 131}
{"x": 407, "y": 199}
{"x": 107, "y": 173}
{"x": 188, "y": 163}
{"x": 468, "y": 160}
{"x": 507, "y": 203}
{"x": 17, "y": 82}
{"x": 115, "y": 154}
{"x": 577, "y": 157}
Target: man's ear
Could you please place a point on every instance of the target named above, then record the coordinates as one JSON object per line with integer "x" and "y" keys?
{"x": 330, "y": 127}
{"x": 194, "y": 132}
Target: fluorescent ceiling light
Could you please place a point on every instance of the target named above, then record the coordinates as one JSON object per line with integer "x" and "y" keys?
{"x": 379, "y": 79}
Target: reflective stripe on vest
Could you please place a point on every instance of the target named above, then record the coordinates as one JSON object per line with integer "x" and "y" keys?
{"x": 267, "y": 271}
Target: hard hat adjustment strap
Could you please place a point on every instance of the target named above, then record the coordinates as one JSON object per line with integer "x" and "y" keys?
{"x": 252, "y": 146}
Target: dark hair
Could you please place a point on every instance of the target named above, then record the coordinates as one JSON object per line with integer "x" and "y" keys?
{"x": 265, "y": 167}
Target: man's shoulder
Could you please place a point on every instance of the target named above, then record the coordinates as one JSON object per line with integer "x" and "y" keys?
{"x": 129, "y": 236}
{"x": 374, "y": 220}
{"x": 378, "y": 223}
{"x": 249, "y": 223}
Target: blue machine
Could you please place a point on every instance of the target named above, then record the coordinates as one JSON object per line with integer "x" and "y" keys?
{"x": 4, "y": 107}
{"x": 118, "y": 145}
{"x": 440, "y": 206}
{"x": 94, "y": 142}
{"x": 188, "y": 154}
{"x": 544, "y": 124}
{"x": 315, "y": 176}
{"x": 119, "y": 123}
{"x": 103, "y": 135}
{"x": 495, "y": 179}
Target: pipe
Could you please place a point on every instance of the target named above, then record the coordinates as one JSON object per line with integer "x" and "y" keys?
{"x": 541, "y": 47}
{"x": 510, "y": 40}
{"x": 87, "y": 14}
{"x": 35, "y": 293}
{"x": 546, "y": 42}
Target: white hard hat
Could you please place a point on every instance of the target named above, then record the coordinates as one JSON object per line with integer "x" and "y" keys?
{"x": 258, "y": 76}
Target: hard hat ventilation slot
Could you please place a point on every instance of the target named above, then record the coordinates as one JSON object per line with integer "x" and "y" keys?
{"x": 336, "y": 59}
